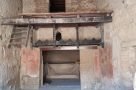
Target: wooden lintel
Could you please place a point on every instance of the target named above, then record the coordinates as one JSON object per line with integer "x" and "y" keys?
{"x": 66, "y": 13}
{"x": 40, "y": 21}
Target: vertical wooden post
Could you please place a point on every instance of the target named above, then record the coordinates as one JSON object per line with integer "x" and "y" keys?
{"x": 77, "y": 35}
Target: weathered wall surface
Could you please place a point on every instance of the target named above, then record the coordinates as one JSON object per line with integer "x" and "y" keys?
{"x": 95, "y": 67}
{"x": 120, "y": 34}
{"x": 30, "y": 69}
{"x": 9, "y": 69}
{"x": 9, "y": 58}
{"x": 95, "y": 64}
{"x": 87, "y": 74}
{"x": 39, "y": 6}
{"x": 61, "y": 64}
{"x": 85, "y": 32}
{"x": 42, "y": 6}
{"x": 80, "y": 5}
{"x": 44, "y": 34}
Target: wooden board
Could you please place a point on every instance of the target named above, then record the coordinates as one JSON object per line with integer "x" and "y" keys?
{"x": 67, "y": 13}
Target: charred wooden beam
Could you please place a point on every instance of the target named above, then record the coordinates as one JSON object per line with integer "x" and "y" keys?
{"x": 67, "y": 43}
{"x": 90, "y": 13}
{"x": 77, "y": 35}
{"x": 50, "y": 48}
{"x": 47, "y": 21}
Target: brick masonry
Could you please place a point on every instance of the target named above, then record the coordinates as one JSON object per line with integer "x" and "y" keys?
{"x": 80, "y": 5}
{"x": 42, "y": 6}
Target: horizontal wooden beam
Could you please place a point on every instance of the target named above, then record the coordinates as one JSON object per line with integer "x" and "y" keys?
{"x": 50, "y": 48}
{"x": 66, "y": 13}
{"x": 40, "y": 43}
{"x": 40, "y": 21}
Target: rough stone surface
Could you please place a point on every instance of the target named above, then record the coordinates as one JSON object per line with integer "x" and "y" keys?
{"x": 96, "y": 68}
{"x": 29, "y": 6}
{"x": 9, "y": 69}
{"x": 120, "y": 34}
{"x": 80, "y": 5}
{"x": 9, "y": 58}
{"x": 32, "y": 6}
{"x": 30, "y": 68}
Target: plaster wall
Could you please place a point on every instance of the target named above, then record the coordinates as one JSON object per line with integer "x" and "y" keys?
{"x": 85, "y": 32}
{"x": 9, "y": 57}
{"x": 120, "y": 35}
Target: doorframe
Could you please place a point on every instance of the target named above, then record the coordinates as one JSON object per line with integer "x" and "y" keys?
{"x": 59, "y": 48}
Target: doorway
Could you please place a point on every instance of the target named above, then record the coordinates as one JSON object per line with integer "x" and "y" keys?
{"x": 61, "y": 70}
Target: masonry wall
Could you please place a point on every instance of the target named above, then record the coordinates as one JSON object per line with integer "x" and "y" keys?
{"x": 80, "y": 5}
{"x": 120, "y": 35}
{"x": 120, "y": 41}
{"x": 42, "y": 6}
{"x": 9, "y": 57}
{"x": 32, "y": 6}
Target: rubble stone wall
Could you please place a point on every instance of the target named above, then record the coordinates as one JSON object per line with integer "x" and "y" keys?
{"x": 9, "y": 57}
{"x": 120, "y": 34}
{"x": 80, "y": 5}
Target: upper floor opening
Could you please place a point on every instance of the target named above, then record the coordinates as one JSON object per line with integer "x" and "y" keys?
{"x": 57, "y": 6}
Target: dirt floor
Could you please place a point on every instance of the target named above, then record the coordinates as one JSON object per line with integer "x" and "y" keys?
{"x": 62, "y": 85}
